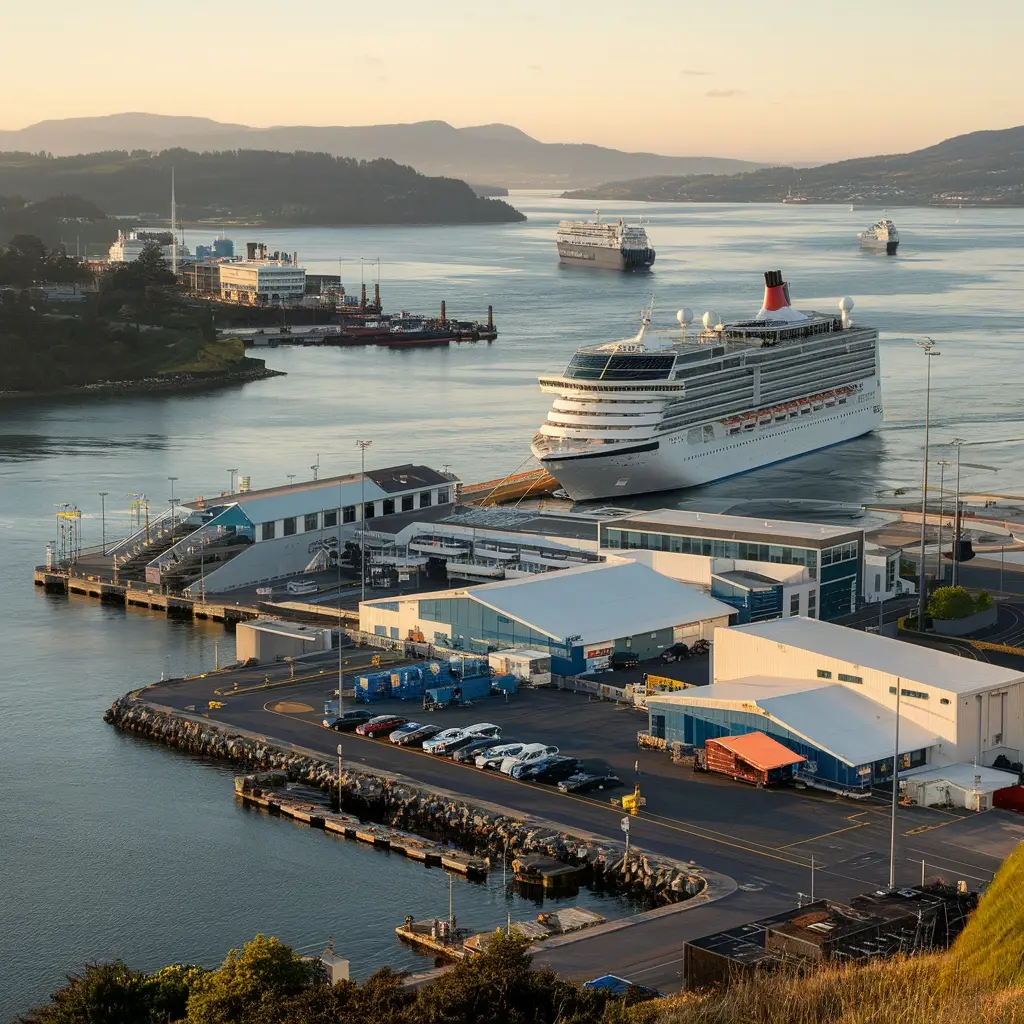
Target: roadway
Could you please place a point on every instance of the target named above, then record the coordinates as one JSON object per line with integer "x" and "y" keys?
{"x": 770, "y": 842}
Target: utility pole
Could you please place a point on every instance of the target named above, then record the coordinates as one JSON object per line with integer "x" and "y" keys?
{"x": 172, "y": 479}
{"x": 362, "y": 446}
{"x": 922, "y": 598}
{"x": 102, "y": 520}
{"x": 957, "y": 442}
{"x": 940, "y": 574}
{"x": 895, "y": 790}
{"x": 339, "y": 773}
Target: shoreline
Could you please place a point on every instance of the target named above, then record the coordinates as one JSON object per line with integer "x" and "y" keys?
{"x": 170, "y": 383}
{"x": 478, "y": 828}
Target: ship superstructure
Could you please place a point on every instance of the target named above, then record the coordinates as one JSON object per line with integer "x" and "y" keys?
{"x": 882, "y": 235}
{"x": 630, "y": 418}
{"x": 611, "y": 245}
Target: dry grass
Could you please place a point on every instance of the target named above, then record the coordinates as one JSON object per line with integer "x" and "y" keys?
{"x": 979, "y": 981}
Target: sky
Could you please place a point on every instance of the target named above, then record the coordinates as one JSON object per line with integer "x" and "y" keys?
{"x": 798, "y": 80}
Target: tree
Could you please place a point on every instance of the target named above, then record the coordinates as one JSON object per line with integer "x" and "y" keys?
{"x": 950, "y": 603}
{"x": 252, "y": 985}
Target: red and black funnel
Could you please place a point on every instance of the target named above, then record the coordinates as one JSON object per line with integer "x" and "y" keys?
{"x": 776, "y": 291}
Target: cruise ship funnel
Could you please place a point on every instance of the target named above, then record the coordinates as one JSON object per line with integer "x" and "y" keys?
{"x": 776, "y": 291}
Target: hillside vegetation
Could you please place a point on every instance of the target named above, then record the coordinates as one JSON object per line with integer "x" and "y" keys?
{"x": 979, "y": 168}
{"x": 254, "y": 186}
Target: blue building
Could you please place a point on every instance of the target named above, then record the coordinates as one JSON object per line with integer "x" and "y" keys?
{"x": 833, "y": 556}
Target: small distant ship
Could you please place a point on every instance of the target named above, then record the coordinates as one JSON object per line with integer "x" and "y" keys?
{"x": 613, "y": 246}
{"x": 791, "y": 199}
{"x": 881, "y": 236}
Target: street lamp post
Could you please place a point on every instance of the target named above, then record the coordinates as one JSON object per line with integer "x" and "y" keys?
{"x": 362, "y": 446}
{"x": 943, "y": 463}
{"x": 339, "y": 770}
{"x": 895, "y": 790}
{"x": 102, "y": 519}
{"x": 929, "y": 350}
{"x": 957, "y": 442}
{"x": 341, "y": 673}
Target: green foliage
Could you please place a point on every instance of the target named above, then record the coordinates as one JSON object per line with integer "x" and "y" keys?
{"x": 56, "y": 219}
{"x": 956, "y": 603}
{"x": 256, "y": 185}
{"x": 26, "y": 261}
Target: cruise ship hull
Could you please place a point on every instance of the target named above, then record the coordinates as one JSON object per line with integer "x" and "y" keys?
{"x": 604, "y": 257}
{"x": 672, "y": 461}
{"x": 880, "y": 245}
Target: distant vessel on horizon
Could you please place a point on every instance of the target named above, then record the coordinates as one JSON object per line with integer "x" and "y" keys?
{"x": 797, "y": 199}
{"x": 882, "y": 236}
{"x": 613, "y": 246}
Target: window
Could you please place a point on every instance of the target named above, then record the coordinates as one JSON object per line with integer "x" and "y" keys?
{"x": 794, "y": 604}
{"x": 943, "y": 700}
{"x": 331, "y": 518}
{"x": 424, "y": 499}
{"x": 919, "y": 694}
{"x": 389, "y": 507}
{"x": 442, "y": 496}
{"x": 878, "y": 582}
{"x": 289, "y": 527}
{"x": 812, "y": 605}
{"x": 348, "y": 514}
{"x": 408, "y": 502}
{"x": 844, "y": 678}
{"x": 824, "y": 673}
{"x": 890, "y": 574}
{"x": 368, "y": 510}
{"x": 267, "y": 531}
{"x": 312, "y": 522}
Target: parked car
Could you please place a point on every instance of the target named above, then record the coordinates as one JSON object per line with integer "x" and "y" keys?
{"x": 380, "y": 725}
{"x": 624, "y": 659}
{"x": 436, "y": 743}
{"x": 531, "y": 752}
{"x": 554, "y": 771}
{"x": 480, "y": 731}
{"x": 466, "y": 754}
{"x": 348, "y": 720}
{"x": 531, "y": 769}
{"x": 584, "y": 783}
{"x": 677, "y": 652}
{"x": 414, "y": 737}
{"x": 403, "y": 729}
{"x": 491, "y": 757}
{"x": 699, "y": 647}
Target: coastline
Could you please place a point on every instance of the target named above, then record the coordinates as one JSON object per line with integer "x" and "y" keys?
{"x": 165, "y": 383}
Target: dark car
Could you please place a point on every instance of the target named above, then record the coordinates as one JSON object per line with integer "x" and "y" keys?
{"x": 468, "y": 752}
{"x": 584, "y": 783}
{"x": 380, "y": 725}
{"x": 624, "y": 659}
{"x": 556, "y": 770}
{"x": 555, "y": 762}
{"x": 677, "y": 652}
{"x": 348, "y": 720}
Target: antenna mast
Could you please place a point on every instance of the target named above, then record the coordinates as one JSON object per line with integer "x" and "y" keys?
{"x": 174, "y": 231}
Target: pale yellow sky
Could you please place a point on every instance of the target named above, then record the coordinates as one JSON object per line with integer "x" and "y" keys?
{"x": 803, "y": 80}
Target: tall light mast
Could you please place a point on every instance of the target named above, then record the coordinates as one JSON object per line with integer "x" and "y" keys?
{"x": 174, "y": 231}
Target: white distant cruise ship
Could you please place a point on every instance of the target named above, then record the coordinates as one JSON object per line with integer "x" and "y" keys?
{"x": 882, "y": 235}
{"x": 594, "y": 243}
{"x": 628, "y": 418}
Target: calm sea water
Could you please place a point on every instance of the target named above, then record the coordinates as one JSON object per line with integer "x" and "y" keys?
{"x": 112, "y": 847}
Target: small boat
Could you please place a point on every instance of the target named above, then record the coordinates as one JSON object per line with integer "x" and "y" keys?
{"x": 882, "y": 236}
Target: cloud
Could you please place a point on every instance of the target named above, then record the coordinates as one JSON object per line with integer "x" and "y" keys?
{"x": 723, "y": 94}
{"x": 693, "y": 72}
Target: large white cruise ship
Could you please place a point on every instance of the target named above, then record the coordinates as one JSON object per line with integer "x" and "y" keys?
{"x": 595, "y": 243}
{"x": 629, "y": 418}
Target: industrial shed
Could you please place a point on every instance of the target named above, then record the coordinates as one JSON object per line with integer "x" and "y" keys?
{"x": 581, "y": 616}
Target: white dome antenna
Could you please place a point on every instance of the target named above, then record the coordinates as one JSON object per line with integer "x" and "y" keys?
{"x": 845, "y": 305}
{"x": 684, "y": 318}
{"x": 710, "y": 320}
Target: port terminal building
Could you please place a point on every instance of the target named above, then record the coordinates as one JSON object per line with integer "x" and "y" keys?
{"x": 581, "y": 616}
{"x": 829, "y": 693}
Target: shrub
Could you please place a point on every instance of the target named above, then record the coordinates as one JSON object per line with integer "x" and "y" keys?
{"x": 950, "y": 603}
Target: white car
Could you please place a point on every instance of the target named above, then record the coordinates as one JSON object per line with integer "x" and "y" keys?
{"x": 530, "y": 753}
{"x": 493, "y": 756}
{"x": 436, "y": 744}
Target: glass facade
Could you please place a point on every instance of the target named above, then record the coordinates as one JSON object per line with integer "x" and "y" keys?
{"x": 473, "y": 625}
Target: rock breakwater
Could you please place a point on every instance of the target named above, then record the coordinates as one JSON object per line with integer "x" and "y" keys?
{"x": 399, "y": 803}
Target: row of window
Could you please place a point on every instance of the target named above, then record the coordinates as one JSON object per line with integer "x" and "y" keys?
{"x": 311, "y": 521}
{"x": 824, "y": 673}
{"x": 749, "y": 551}
{"x": 919, "y": 694}
{"x": 839, "y": 553}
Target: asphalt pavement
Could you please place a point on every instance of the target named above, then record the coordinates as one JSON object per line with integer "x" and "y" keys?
{"x": 769, "y": 841}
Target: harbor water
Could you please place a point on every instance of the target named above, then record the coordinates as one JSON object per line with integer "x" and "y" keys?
{"x": 112, "y": 847}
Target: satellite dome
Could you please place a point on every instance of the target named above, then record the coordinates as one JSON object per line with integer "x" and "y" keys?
{"x": 710, "y": 320}
{"x": 845, "y": 304}
{"x": 685, "y": 316}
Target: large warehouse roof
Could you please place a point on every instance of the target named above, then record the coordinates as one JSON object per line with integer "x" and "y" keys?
{"x": 600, "y": 602}
{"x": 829, "y": 716}
{"x": 896, "y": 657}
{"x": 678, "y": 520}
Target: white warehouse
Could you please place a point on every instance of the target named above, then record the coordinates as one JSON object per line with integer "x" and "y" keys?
{"x": 830, "y": 693}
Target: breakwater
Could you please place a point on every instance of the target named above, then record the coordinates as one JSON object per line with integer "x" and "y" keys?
{"x": 484, "y": 831}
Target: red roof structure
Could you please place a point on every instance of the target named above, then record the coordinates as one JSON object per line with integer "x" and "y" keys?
{"x": 760, "y": 750}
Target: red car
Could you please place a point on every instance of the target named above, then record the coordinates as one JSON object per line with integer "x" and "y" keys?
{"x": 380, "y": 724}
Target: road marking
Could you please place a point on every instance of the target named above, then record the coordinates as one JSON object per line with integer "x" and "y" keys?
{"x": 966, "y": 874}
{"x": 825, "y": 835}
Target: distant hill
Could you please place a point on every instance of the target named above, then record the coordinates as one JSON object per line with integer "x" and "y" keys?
{"x": 253, "y": 186}
{"x": 491, "y": 154}
{"x": 982, "y": 168}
